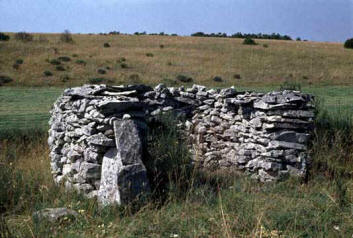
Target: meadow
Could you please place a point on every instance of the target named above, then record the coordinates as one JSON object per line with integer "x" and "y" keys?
{"x": 193, "y": 203}
{"x": 155, "y": 59}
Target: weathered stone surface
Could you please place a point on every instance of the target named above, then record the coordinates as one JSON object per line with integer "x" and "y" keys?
{"x": 121, "y": 183}
{"x": 100, "y": 139}
{"x": 265, "y": 135}
{"x": 54, "y": 215}
{"x": 128, "y": 141}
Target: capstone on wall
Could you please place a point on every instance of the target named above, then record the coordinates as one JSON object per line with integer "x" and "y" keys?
{"x": 96, "y": 133}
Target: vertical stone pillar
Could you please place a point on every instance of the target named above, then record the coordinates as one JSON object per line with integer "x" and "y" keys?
{"x": 124, "y": 176}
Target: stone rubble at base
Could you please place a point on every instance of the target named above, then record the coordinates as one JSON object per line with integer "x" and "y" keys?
{"x": 265, "y": 135}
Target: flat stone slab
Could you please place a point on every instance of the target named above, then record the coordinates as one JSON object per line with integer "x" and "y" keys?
{"x": 54, "y": 215}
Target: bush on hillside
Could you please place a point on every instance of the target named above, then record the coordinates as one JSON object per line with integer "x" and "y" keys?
{"x": 23, "y": 36}
{"x": 217, "y": 79}
{"x": 16, "y": 66}
{"x": 64, "y": 78}
{"x": 149, "y": 54}
{"x": 106, "y": 45}
{"x": 60, "y": 68}
{"x": 64, "y": 58}
{"x": 47, "y": 73}
{"x": 123, "y": 66}
{"x": 348, "y": 44}
{"x": 249, "y": 41}
{"x": 66, "y": 37}
{"x": 54, "y": 62}
{"x": 4, "y": 37}
{"x": 19, "y": 61}
{"x": 290, "y": 85}
{"x": 237, "y": 76}
{"x": 184, "y": 79}
{"x": 122, "y": 59}
{"x": 101, "y": 71}
{"x": 5, "y": 79}
{"x": 81, "y": 62}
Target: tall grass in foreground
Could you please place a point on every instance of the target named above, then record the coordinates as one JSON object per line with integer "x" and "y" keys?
{"x": 187, "y": 203}
{"x": 332, "y": 145}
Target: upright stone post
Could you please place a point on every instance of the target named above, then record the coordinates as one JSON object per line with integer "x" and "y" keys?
{"x": 124, "y": 176}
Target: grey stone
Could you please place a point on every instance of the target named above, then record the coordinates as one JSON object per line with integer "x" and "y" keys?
{"x": 54, "y": 215}
{"x": 121, "y": 184}
{"x": 90, "y": 170}
{"x": 128, "y": 142}
{"x": 101, "y": 140}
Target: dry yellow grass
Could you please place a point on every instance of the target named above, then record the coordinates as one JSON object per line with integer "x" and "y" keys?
{"x": 201, "y": 58}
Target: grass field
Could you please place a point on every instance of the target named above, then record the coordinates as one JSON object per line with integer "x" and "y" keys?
{"x": 200, "y": 58}
{"x": 197, "y": 204}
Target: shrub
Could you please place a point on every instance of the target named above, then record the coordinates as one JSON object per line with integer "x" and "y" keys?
{"x": 60, "y": 68}
{"x": 101, "y": 71}
{"x": 298, "y": 39}
{"x": 169, "y": 63}
{"x": 237, "y": 76}
{"x": 122, "y": 59}
{"x": 265, "y": 45}
{"x": 161, "y": 46}
{"x": 19, "y": 61}
{"x": 54, "y": 62}
{"x": 47, "y": 73}
{"x": 217, "y": 79}
{"x": 74, "y": 55}
{"x": 123, "y": 65}
{"x": 106, "y": 45}
{"x": 4, "y": 37}
{"x": 5, "y": 79}
{"x": 64, "y": 58}
{"x": 290, "y": 85}
{"x": 149, "y": 54}
{"x": 23, "y": 36}
{"x": 66, "y": 37}
{"x": 348, "y": 44}
{"x": 249, "y": 41}
{"x": 96, "y": 80}
{"x": 65, "y": 78}
{"x": 16, "y": 66}
{"x": 184, "y": 79}
{"x": 81, "y": 62}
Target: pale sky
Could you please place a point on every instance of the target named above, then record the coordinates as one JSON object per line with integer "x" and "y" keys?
{"x": 319, "y": 20}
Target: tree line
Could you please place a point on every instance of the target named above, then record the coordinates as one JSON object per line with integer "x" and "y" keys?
{"x": 273, "y": 36}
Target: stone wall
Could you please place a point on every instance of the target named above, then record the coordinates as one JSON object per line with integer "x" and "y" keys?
{"x": 265, "y": 135}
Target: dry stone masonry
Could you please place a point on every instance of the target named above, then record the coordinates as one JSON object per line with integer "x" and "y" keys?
{"x": 97, "y": 134}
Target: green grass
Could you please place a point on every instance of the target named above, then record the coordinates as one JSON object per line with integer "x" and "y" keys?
{"x": 25, "y": 108}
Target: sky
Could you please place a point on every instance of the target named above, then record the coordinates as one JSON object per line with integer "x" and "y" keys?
{"x": 318, "y": 20}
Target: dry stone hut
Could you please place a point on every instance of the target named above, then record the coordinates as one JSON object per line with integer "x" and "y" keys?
{"x": 97, "y": 132}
